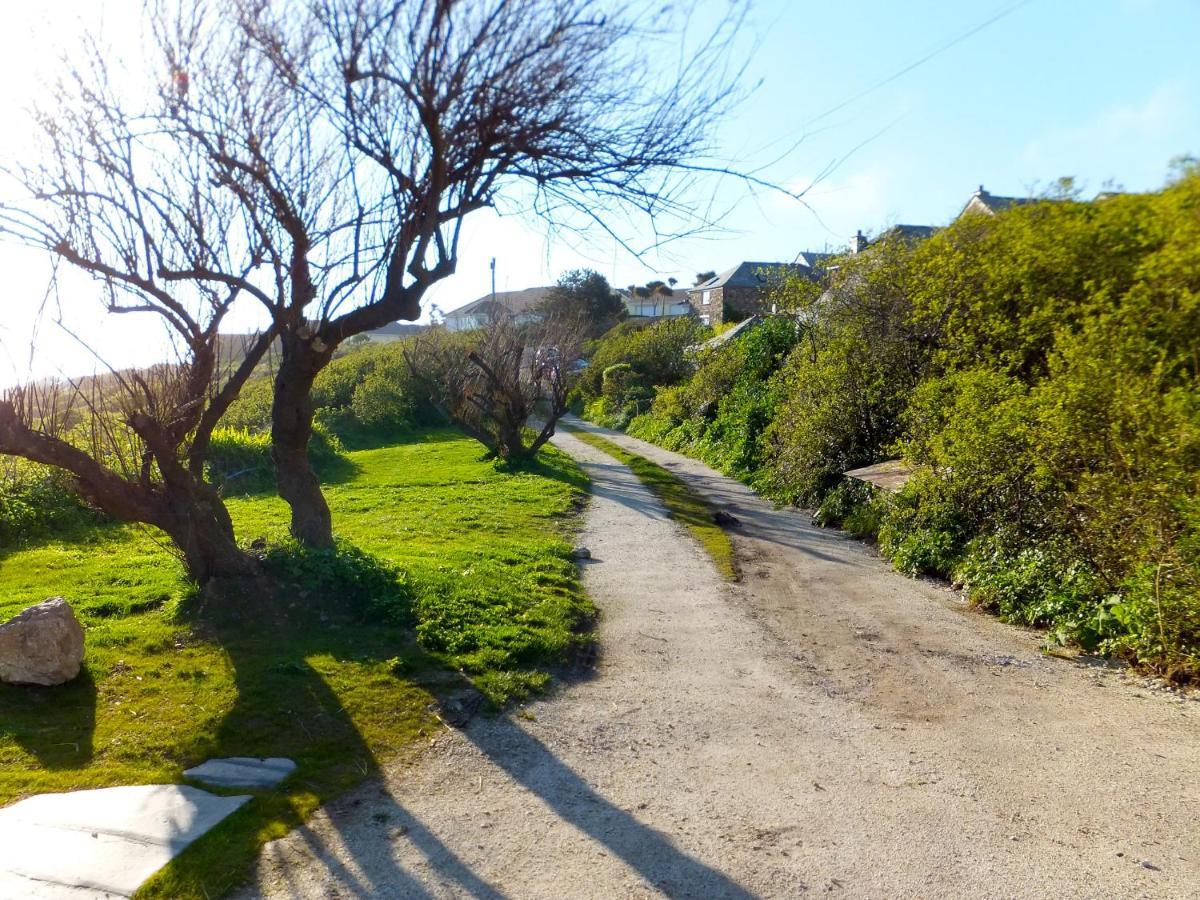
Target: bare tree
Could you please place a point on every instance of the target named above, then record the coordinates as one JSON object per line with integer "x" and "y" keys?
{"x": 358, "y": 134}
{"x": 495, "y": 381}
{"x": 114, "y": 199}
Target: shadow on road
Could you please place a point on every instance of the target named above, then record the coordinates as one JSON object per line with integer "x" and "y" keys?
{"x": 649, "y": 852}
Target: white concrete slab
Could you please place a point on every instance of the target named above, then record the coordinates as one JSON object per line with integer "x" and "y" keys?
{"x": 86, "y": 845}
{"x": 242, "y": 772}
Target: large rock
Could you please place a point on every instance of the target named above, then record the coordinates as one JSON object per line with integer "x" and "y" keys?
{"x": 42, "y": 645}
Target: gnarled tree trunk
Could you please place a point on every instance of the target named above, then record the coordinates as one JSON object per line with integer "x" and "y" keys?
{"x": 186, "y": 508}
{"x": 291, "y": 431}
{"x": 200, "y": 526}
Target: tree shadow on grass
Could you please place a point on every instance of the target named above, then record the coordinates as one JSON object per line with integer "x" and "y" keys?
{"x": 55, "y": 724}
{"x": 316, "y": 682}
{"x": 259, "y": 480}
{"x": 308, "y": 666}
{"x": 557, "y": 465}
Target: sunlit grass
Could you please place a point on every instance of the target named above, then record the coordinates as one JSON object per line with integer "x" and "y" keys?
{"x": 495, "y": 594}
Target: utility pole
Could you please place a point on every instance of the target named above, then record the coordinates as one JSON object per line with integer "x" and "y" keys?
{"x": 493, "y": 282}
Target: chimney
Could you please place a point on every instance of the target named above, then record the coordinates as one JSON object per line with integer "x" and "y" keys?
{"x": 858, "y": 243}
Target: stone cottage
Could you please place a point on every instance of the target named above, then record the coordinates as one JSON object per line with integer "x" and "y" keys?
{"x": 744, "y": 290}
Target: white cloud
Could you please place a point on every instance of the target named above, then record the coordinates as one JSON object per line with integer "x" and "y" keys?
{"x": 842, "y": 203}
{"x": 1135, "y": 140}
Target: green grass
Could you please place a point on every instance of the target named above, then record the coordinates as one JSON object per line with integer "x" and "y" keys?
{"x": 687, "y": 507}
{"x": 494, "y": 593}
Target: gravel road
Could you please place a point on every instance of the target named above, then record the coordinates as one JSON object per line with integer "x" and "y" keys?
{"x": 824, "y": 727}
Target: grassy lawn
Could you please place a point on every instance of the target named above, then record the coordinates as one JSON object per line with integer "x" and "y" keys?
{"x": 494, "y": 593}
{"x": 687, "y": 507}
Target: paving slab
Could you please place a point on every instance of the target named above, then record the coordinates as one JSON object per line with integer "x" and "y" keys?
{"x": 890, "y": 475}
{"x": 86, "y": 845}
{"x": 242, "y": 772}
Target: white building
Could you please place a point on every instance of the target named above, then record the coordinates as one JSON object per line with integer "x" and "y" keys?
{"x": 521, "y": 305}
{"x": 656, "y": 305}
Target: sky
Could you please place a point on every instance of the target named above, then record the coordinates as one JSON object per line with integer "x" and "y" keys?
{"x": 879, "y": 112}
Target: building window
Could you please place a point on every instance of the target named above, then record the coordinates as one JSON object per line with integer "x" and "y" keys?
{"x": 706, "y": 297}
{"x": 704, "y": 320}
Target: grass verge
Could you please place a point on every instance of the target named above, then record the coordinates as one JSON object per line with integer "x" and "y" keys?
{"x": 687, "y": 507}
{"x": 491, "y": 590}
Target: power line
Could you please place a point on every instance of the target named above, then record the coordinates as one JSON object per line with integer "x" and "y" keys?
{"x": 1009, "y": 10}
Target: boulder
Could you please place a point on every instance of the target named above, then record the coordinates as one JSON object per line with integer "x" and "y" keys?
{"x": 42, "y": 645}
{"x": 581, "y": 553}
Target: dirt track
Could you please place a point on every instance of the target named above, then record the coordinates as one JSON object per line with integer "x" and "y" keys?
{"x": 824, "y": 727}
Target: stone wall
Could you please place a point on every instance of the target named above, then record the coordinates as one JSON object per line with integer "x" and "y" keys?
{"x": 714, "y": 309}
{"x": 746, "y": 301}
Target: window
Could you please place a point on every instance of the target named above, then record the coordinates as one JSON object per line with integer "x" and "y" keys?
{"x": 704, "y": 320}
{"x": 706, "y": 297}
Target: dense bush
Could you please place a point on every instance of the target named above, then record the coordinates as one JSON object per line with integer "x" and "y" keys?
{"x": 1039, "y": 369}
{"x": 239, "y": 459}
{"x": 721, "y": 412}
{"x": 844, "y": 388}
{"x": 853, "y": 506}
{"x": 657, "y": 353}
{"x": 387, "y": 398}
{"x": 368, "y": 388}
{"x": 1057, "y": 432}
{"x": 37, "y": 501}
{"x": 252, "y": 408}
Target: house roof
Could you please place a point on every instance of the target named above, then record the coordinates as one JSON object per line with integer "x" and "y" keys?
{"x": 677, "y": 295}
{"x": 982, "y": 201}
{"x": 759, "y": 274}
{"x": 742, "y": 327}
{"x": 907, "y": 232}
{"x": 398, "y": 328}
{"x": 515, "y": 302}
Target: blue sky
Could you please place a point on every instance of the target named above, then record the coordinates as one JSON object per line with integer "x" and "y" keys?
{"x": 1105, "y": 91}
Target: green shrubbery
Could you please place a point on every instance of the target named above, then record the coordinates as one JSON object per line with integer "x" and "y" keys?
{"x": 721, "y": 413}
{"x": 1039, "y": 369}
{"x": 38, "y": 501}
{"x": 630, "y": 362}
{"x": 239, "y": 459}
{"x": 367, "y": 390}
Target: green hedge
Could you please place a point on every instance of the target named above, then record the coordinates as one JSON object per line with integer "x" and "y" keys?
{"x": 1039, "y": 369}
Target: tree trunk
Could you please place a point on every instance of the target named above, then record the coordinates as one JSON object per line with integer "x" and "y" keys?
{"x": 200, "y": 526}
{"x": 291, "y": 431}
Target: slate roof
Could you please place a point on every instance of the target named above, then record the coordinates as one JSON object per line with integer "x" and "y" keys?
{"x": 742, "y": 327}
{"x": 759, "y": 274}
{"x": 982, "y": 201}
{"x": 515, "y": 302}
{"x": 907, "y": 232}
{"x": 398, "y": 328}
